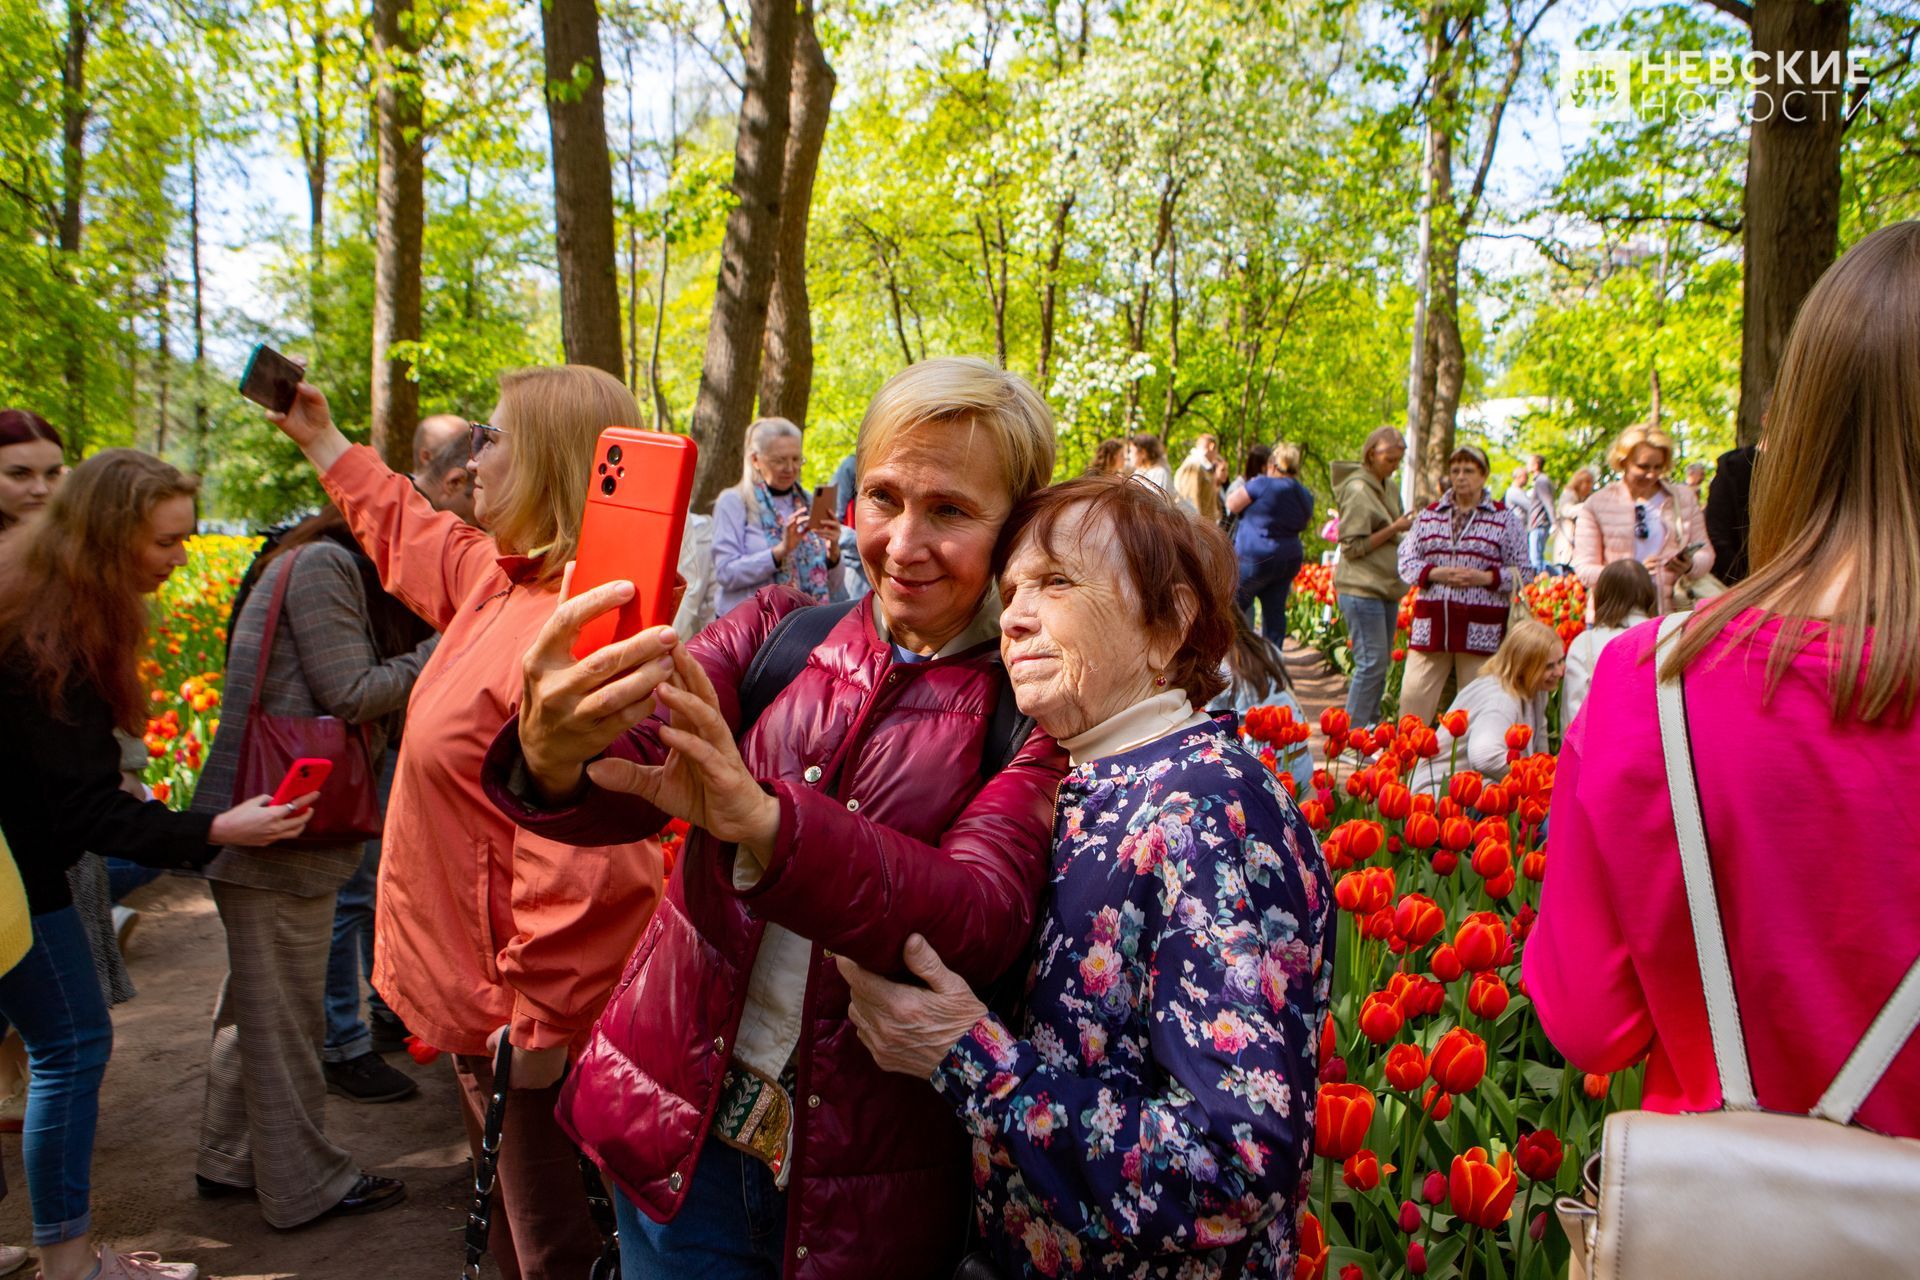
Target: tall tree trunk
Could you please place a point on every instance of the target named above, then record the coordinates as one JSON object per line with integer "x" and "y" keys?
{"x": 199, "y": 460}
{"x": 730, "y": 371}
{"x": 662, "y": 411}
{"x": 1442, "y": 360}
{"x": 399, "y": 228}
{"x": 74, "y": 113}
{"x": 162, "y": 360}
{"x": 1792, "y": 204}
{"x": 786, "y": 379}
{"x": 1050, "y": 286}
{"x": 582, "y": 184}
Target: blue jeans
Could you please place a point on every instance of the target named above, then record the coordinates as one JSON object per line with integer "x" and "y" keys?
{"x": 1537, "y": 547}
{"x": 731, "y": 1226}
{"x": 1370, "y": 635}
{"x": 53, "y": 998}
{"x": 124, "y": 877}
{"x": 351, "y": 958}
{"x": 1269, "y": 581}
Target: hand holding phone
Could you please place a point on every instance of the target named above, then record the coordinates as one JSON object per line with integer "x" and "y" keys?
{"x": 823, "y": 516}
{"x": 304, "y": 777}
{"x": 1683, "y": 558}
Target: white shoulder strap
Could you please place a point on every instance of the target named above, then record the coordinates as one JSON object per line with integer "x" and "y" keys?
{"x": 1896, "y": 1022}
{"x": 1716, "y": 973}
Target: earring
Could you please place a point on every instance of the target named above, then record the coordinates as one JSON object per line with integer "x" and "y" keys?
{"x": 1160, "y": 681}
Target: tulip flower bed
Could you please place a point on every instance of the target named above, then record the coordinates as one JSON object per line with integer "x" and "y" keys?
{"x": 186, "y": 661}
{"x": 1446, "y": 1122}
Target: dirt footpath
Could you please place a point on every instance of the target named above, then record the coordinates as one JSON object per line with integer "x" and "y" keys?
{"x": 143, "y": 1192}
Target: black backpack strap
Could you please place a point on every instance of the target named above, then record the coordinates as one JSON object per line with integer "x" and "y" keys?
{"x": 783, "y": 655}
{"x": 1007, "y": 729}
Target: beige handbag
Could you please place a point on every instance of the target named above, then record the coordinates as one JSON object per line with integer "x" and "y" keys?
{"x": 1743, "y": 1192}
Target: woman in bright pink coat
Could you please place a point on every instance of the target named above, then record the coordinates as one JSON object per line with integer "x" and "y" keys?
{"x": 1801, "y": 684}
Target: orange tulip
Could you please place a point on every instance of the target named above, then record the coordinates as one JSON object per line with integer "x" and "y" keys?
{"x": 1396, "y": 802}
{"x": 1482, "y": 1193}
{"x": 1361, "y": 1170}
{"x": 1518, "y": 736}
{"x": 1487, "y": 995}
{"x": 1423, "y": 830}
{"x": 1406, "y": 1067}
{"x": 1492, "y": 858}
{"x": 1310, "y": 1258}
{"x": 1418, "y": 919}
{"x": 1341, "y": 1121}
{"x": 1456, "y": 834}
{"x": 1595, "y": 1086}
{"x": 1477, "y": 941}
{"x": 1459, "y": 1061}
{"x": 1463, "y": 788}
{"x": 1380, "y": 1017}
{"x": 1455, "y": 723}
{"x": 1445, "y": 963}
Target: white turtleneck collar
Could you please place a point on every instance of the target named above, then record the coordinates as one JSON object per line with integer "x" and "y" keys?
{"x": 1144, "y": 721}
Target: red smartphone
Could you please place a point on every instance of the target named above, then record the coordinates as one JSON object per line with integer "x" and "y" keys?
{"x": 304, "y": 776}
{"x": 637, "y": 500}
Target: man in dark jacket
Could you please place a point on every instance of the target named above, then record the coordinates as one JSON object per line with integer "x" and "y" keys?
{"x": 1727, "y": 520}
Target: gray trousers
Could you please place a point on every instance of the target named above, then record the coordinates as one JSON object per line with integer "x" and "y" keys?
{"x": 264, "y": 1122}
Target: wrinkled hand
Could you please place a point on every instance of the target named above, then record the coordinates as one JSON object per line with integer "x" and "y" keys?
{"x": 256, "y": 823}
{"x": 911, "y": 1029}
{"x": 791, "y": 532}
{"x": 703, "y": 779}
{"x": 572, "y": 711}
{"x": 532, "y": 1068}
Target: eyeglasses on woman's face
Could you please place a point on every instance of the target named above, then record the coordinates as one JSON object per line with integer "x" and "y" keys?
{"x": 481, "y": 435}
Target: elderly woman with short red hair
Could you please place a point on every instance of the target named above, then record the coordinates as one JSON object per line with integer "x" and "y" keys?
{"x": 1152, "y": 1112}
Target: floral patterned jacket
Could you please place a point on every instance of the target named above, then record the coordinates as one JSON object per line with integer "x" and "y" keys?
{"x": 1157, "y": 1108}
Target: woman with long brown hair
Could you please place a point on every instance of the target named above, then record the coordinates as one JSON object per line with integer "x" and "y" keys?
{"x": 73, "y": 620}
{"x": 1800, "y": 682}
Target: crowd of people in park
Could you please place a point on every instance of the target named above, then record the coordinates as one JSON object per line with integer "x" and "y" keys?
{"x": 992, "y": 948}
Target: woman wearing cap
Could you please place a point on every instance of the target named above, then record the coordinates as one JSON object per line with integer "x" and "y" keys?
{"x": 1468, "y": 555}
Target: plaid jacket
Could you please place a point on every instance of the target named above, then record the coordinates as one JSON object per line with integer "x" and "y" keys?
{"x": 323, "y": 664}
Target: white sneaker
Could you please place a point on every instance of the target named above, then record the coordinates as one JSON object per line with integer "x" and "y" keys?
{"x": 142, "y": 1266}
{"x": 125, "y": 921}
{"x": 12, "y": 1258}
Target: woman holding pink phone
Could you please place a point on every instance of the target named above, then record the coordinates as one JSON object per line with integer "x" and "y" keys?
{"x": 73, "y": 623}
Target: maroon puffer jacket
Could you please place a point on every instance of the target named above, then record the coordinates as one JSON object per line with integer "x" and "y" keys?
{"x": 897, "y": 836}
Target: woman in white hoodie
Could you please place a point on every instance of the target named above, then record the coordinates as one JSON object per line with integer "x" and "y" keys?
{"x": 1623, "y": 597}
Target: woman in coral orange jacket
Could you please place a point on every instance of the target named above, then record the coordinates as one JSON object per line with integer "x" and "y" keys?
{"x": 483, "y": 928}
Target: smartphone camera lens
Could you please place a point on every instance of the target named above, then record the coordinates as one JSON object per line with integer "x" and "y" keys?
{"x": 613, "y": 454}
{"x": 608, "y": 485}
{"x": 603, "y": 468}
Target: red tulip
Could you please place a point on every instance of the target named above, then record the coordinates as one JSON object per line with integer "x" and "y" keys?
{"x": 1459, "y": 1061}
{"x": 1380, "y": 1018}
{"x": 1348, "y": 890}
{"x": 1341, "y": 1120}
{"x": 1539, "y": 1154}
{"x": 1444, "y": 862}
{"x": 1477, "y": 942}
{"x": 1500, "y": 886}
{"x": 1333, "y": 1070}
{"x": 1334, "y": 722}
{"x": 1406, "y": 1067}
{"x": 1456, "y": 834}
{"x": 1424, "y": 742}
{"x": 1416, "y": 1259}
{"x": 1445, "y": 963}
{"x": 1377, "y": 926}
{"x": 1538, "y": 1227}
{"x": 1424, "y": 998}
{"x": 1315, "y": 814}
{"x": 1409, "y": 1216}
{"x": 1463, "y": 788}
{"x": 1418, "y": 919}
{"x": 1423, "y": 830}
{"x": 1492, "y": 858}
{"x": 1482, "y": 1193}
{"x": 1437, "y": 1104}
{"x": 1455, "y": 723}
{"x": 1595, "y": 1086}
{"x": 1363, "y": 838}
{"x": 1310, "y": 1257}
{"x": 1487, "y": 995}
{"x": 1518, "y": 736}
{"x": 1434, "y": 1189}
{"x": 1492, "y": 828}
{"x": 1496, "y": 800}
{"x": 1396, "y": 802}
{"x": 1534, "y": 865}
{"x": 1352, "y": 1271}
{"x": 1361, "y": 1170}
